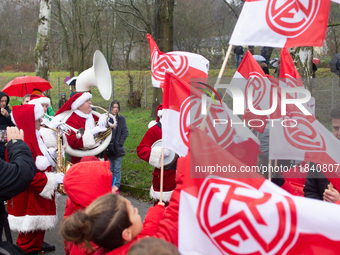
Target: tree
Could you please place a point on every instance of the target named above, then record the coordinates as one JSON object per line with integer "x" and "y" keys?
{"x": 43, "y": 37}
{"x": 164, "y": 33}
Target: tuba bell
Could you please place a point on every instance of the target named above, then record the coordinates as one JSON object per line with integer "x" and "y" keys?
{"x": 97, "y": 76}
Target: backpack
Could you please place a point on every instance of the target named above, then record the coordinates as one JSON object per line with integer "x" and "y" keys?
{"x": 7, "y": 247}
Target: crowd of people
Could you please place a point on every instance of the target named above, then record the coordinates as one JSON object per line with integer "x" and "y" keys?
{"x": 97, "y": 220}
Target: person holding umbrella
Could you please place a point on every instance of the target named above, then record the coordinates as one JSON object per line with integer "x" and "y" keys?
{"x": 5, "y": 121}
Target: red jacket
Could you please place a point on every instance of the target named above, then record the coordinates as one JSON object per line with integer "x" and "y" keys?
{"x": 78, "y": 122}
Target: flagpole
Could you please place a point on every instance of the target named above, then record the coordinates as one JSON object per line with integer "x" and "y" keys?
{"x": 202, "y": 127}
{"x": 162, "y": 174}
{"x": 269, "y": 172}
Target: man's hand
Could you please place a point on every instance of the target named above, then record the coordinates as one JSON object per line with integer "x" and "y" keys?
{"x": 4, "y": 112}
{"x": 331, "y": 195}
{"x": 14, "y": 133}
{"x": 97, "y": 130}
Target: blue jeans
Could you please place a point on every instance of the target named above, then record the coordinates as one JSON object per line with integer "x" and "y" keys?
{"x": 115, "y": 165}
{"x": 238, "y": 60}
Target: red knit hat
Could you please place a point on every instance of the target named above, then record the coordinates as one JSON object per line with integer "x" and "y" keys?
{"x": 74, "y": 102}
{"x": 24, "y": 116}
{"x": 159, "y": 112}
{"x": 34, "y": 99}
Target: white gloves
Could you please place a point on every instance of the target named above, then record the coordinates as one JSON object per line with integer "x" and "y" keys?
{"x": 97, "y": 130}
{"x": 59, "y": 177}
{"x": 102, "y": 120}
{"x": 166, "y": 152}
{"x": 56, "y": 121}
{"x": 114, "y": 124}
{"x": 53, "y": 152}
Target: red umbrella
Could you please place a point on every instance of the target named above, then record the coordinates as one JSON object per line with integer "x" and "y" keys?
{"x": 24, "y": 85}
{"x": 316, "y": 61}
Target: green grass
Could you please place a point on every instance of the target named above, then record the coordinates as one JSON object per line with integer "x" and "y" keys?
{"x": 135, "y": 171}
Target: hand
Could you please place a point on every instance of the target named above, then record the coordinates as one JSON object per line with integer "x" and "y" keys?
{"x": 102, "y": 122}
{"x": 56, "y": 121}
{"x": 166, "y": 152}
{"x": 114, "y": 125}
{"x": 97, "y": 130}
{"x": 4, "y": 112}
{"x": 53, "y": 152}
{"x": 331, "y": 195}
{"x": 114, "y": 189}
{"x": 14, "y": 133}
{"x": 161, "y": 203}
{"x": 59, "y": 177}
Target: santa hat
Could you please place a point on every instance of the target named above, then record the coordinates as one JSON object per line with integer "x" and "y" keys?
{"x": 24, "y": 117}
{"x": 34, "y": 99}
{"x": 159, "y": 112}
{"x": 74, "y": 102}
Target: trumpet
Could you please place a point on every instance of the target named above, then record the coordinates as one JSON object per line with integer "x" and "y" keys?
{"x": 67, "y": 128}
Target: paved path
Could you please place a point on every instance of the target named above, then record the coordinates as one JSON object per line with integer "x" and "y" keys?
{"x": 54, "y": 237}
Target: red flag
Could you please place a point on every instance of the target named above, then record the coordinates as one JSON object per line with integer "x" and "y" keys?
{"x": 282, "y": 23}
{"x": 182, "y": 106}
{"x": 185, "y": 65}
{"x": 250, "y": 75}
{"x": 246, "y": 215}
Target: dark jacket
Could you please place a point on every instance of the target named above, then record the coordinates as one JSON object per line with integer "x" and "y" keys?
{"x": 4, "y": 123}
{"x": 316, "y": 183}
{"x": 238, "y": 50}
{"x": 119, "y": 135}
{"x": 16, "y": 176}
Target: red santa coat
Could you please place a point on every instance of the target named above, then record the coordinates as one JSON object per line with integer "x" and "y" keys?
{"x": 87, "y": 140}
{"x": 145, "y": 152}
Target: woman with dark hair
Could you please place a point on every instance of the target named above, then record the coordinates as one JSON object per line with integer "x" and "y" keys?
{"x": 115, "y": 151}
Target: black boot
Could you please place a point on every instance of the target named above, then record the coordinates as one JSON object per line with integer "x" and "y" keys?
{"x": 47, "y": 247}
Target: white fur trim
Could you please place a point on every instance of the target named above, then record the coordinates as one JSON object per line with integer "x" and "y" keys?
{"x": 49, "y": 137}
{"x": 41, "y": 100}
{"x": 41, "y": 162}
{"x": 155, "y": 157}
{"x": 29, "y": 223}
{"x": 166, "y": 195}
{"x": 38, "y": 112}
{"x": 152, "y": 123}
{"x": 160, "y": 113}
{"x": 50, "y": 186}
{"x": 88, "y": 139}
{"x": 12, "y": 118}
{"x": 80, "y": 100}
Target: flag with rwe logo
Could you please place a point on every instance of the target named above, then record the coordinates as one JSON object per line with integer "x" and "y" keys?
{"x": 185, "y": 65}
{"x": 182, "y": 104}
{"x": 222, "y": 215}
{"x": 282, "y": 23}
{"x": 302, "y": 137}
{"x": 250, "y": 76}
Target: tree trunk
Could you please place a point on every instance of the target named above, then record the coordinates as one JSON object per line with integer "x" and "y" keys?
{"x": 303, "y": 59}
{"x": 41, "y": 51}
{"x": 164, "y": 38}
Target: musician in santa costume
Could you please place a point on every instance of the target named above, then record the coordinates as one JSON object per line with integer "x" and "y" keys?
{"x": 48, "y": 135}
{"x": 153, "y": 157}
{"x": 33, "y": 211}
{"x": 82, "y": 117}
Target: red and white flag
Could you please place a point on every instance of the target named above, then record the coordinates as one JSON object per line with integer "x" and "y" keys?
{"x": 185, "y": 65}
{"x": 290, "y": 77}
{"x": 300, "y": 137}
{"x": 250, "y": 75}
{"x": 182, "y": 105}
{"x": 282, "y": 23}
{"x": 246, "y": 215}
